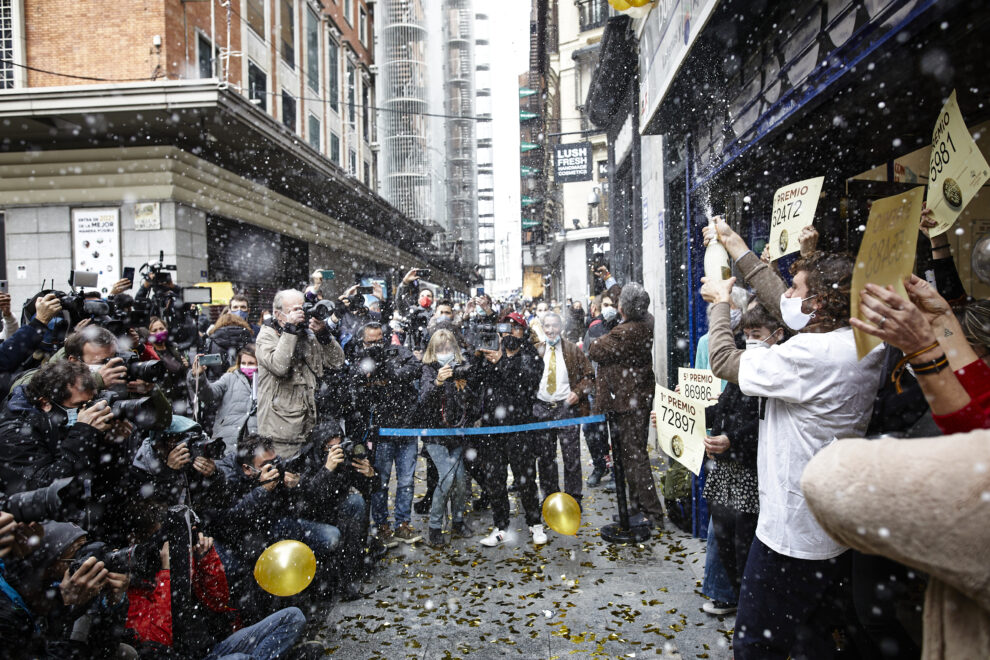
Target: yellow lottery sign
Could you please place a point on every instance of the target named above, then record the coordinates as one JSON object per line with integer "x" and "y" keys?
{"x": 680, "y": 428}
{"x": 886, "y": 256}
{"x": 956, "y": 168}
{"x": 699, "y": 385}
{"x": 793, "y": 209}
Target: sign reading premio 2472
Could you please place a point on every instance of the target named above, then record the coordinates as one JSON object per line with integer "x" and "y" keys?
{"x": 572, "y": 162}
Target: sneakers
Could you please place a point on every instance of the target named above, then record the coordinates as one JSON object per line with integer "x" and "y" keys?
{"x": 596, "y": 477}
{"x": 539, "y": 536}
{"x": 435, "y": 539}
{"x": 493, "y": 539}
{"x": 462, "y": 530}
{"x": 407, "y": 534}
{"x": 718, "y": 607}
{"x": 386, "y": 537}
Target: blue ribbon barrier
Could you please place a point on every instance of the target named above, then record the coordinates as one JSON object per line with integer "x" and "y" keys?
{"x": 492, "y": 430}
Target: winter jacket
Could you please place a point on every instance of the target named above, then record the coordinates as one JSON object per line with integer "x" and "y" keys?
{"x": 17, "y": 348}
{"x": 230, "y": 399}
{"x": 226, "y": 341}
{"x": 454, "y": 404}
{"x": 321, "y": 491}
{"x": 186, "y": 486}
{"x": 508, "y": 387}
{"x": 252, "y": 512}
{"x": 387, "y": 397}
{"x": 149, "y": 613}
{"x": 34, "y": 451}
{"x": 625, "y": 379}
{"x": 288, "y": 368}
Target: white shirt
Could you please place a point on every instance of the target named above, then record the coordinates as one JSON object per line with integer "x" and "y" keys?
{"x": 816, "y": 391}
{"x": 563, "y": 389}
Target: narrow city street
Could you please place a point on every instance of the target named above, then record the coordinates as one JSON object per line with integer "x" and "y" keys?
{"x": 575, "y": 596}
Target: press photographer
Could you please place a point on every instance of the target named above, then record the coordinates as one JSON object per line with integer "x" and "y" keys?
{"x": 383, "y": 383}
{"x": 293, "y": 352}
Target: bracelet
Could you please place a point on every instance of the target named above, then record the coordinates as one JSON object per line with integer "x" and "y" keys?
{"x": 925, "y": 368}
{"x": 934, "y": 366}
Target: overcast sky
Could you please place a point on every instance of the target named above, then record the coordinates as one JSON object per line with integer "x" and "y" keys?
{"x": 510, "y": 57}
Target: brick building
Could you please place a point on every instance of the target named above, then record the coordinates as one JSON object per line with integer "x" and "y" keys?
{"x": 240, "y": 138}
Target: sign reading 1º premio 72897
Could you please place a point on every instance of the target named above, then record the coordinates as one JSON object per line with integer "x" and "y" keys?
{"x": 572, "y": 162}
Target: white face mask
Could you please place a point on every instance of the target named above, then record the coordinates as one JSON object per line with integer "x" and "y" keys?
{"x": 94, "y": 368}
{"x": 754, "y": 343}
{"x": 445, "y": 358}
{"x": 791, "y": 312}
{"x": 608, "y": 313}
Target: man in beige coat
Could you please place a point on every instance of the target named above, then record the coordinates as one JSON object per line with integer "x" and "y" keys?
{"x": 291, "y": 357}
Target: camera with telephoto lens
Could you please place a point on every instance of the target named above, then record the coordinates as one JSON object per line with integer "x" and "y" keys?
{"x": 150, "y": 371}
{"x": 200, "y": 444}
{"x": 60, "y": 500}
{"x": 140, "y": 561}
{"x": 145, "y": 412}
{"x": 354, "y": 449}
{"x": 320, "y": 310}
{"x": 489, "y": 335}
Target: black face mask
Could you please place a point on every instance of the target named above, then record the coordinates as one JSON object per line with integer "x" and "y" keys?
{"x": 374, "y": 350}
{"x": 511, "y": 342}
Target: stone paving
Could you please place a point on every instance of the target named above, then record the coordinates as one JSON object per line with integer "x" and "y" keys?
{"x": 574, "y": 597}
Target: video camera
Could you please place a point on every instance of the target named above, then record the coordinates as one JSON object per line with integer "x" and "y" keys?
{"x": 60, "y": 500}
{"x": 489, "y": 335}
{"x": 140, "y": 561}
{"x": 145, "y": 413}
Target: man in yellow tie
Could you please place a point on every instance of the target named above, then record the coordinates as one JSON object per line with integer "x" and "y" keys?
{"x": 567, "y": 379}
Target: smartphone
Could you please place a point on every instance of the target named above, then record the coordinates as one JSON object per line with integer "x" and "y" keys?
{"x": 423, "y": 272}
{"x": 366, "y": 289}
{"x": 210, "y": 360}
{"x": 129, "y": 274}
{"x": 328, "y": 275}
{"x": 4, "y": 287}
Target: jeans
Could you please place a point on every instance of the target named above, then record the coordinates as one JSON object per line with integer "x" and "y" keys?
{"x": 781, "y": 604}
{"x": 732, "y": 531}
{"x": 267, "y": 639}
{"x": 718, "y": 584}
{"x": 321, "y": 538}
{"x": 401, "y": 453}
{"x": 451, "y": 483}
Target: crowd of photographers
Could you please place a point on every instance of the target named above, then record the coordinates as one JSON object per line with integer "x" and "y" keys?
{"x": 138, "y": 436}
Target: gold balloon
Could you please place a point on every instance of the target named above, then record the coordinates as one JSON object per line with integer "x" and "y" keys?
{"x": 562, "y": 513}
{"x": 620, "y": 5}
{"x": 639, "y": 3}
{"x": 285, "y": 568}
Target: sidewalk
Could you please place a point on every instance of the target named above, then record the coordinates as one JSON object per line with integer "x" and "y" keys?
{"x": 574, "y": 597}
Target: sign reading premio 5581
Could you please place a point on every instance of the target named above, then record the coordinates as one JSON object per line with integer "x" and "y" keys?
{"x": 572, "y": 162}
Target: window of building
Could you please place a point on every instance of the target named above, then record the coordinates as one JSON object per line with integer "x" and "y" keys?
{"x": 351, "y": 94}
{"x": 367, "y": 174}
{"x": 333, "y": 75}
{"x": 258, "y": 85}
{"x": 313, "y": 132}
{"x": 363, "y": 25}
{"x": 352, "y": 162}
{"x": 366, "y": 110}
{"x": 289, "y": 110}
{"x": 206, "y": 68}
{"x": 7, "y": 53}
{"x": 334, "y": 148}
{"x": 349, "y": 12}
{"x": 288, "y": 35}
{"x": 592, "y": 13}
{"x": 256, "y": 17}
{"x": 312, "y": 50}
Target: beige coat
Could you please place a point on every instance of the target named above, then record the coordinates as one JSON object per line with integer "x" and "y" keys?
{"x": 923, "y": 503}
{"x": 288, "y": 366}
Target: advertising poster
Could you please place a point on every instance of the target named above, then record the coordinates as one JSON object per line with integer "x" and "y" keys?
{"x": 96, "y": 244}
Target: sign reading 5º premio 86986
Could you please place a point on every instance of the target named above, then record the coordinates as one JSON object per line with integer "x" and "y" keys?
{"x": 699, "y": 385}
{"x": 793, "y": 209}
{"x": 572, "y": 162}
{"x": 956, "y": 168}
{"x": 680, "y": 428}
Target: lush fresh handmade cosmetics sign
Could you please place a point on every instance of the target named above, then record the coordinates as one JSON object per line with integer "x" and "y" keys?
{"x": 572, "y": 162}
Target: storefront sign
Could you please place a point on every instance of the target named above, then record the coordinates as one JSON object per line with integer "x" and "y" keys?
{"x": 956, "y": 168}
{"x": 793, "y": 209}
{"x": 680, "y": 428}
{"x": 96, "y": 244}
{"x": 886, "y": 256}
{"x": 668, "y": 34}
{"x": 147, "y": 216}
{"x": 699, "y": 385}
{"x": 572, "y": 162}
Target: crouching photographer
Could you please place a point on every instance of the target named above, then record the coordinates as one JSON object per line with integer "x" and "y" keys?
{"x": 338, "y": 481}
{"x": 383, "y": 383}
{"x": 61, "y": 597}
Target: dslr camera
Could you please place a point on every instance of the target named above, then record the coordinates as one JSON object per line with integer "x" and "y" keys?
{"x": 141, "y": 561}
{"x": 150, "y": 371}
{"x": 321, "y": 310}
{"x": 354, "y": 449}
{"x": 145, "y": 413}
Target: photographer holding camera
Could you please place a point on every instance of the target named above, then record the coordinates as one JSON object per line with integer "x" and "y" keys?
{"x": 383, "y": 384}
{"x": 292, "y": 355}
